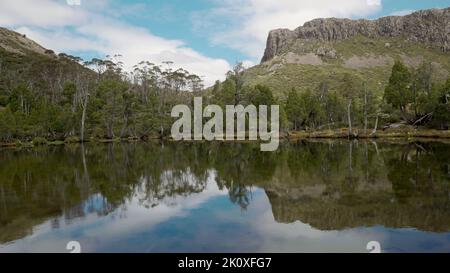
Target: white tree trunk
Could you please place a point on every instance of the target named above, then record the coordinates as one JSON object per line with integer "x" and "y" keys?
{"x": 83, "y": 117}
{"x": 365, "y": 109}
{"x": 349, "y": 109}
{"x": 376, "y": 127}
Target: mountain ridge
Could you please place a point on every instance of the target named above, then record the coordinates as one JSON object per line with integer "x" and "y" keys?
{"x": 430, "y": 27}
{"x": 327, "y": 51}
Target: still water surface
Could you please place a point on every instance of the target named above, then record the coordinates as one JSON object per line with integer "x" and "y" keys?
{"x": 331, "y": 196}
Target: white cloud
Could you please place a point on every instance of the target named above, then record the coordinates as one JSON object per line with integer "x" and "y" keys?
{"x": 91, "y": 27}
{"x": 248, "y": 63}
{"x": 247, "y": 22}
{"x": 402, "y": 12}
{"x": 42, "y": 13}
{"x": 374, "y": 2}
{"x": 132, "y": 218}
{"x": 95, "y": 26}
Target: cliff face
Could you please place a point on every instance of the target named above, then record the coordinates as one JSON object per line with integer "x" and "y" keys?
{"x": 429, "y": 27}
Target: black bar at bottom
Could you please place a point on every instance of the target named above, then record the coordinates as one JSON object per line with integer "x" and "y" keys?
{"x": 223, "y": 262}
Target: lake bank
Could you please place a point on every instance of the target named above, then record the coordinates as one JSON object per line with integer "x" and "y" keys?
{"x": 399, "y": 133}
{"x": 360, "y": 134}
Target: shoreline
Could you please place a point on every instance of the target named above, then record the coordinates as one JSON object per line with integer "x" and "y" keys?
{"x": 381, "y": 134}
{"x": 338, "y": 134}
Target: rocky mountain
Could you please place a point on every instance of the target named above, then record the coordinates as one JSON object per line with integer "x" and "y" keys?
{"x": 324, "y": 50}
{"x": 430, "y": 27}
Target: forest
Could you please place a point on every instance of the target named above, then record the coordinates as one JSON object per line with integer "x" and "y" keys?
{"x": 413, "y": 97}
{"x": 71, "y": 100}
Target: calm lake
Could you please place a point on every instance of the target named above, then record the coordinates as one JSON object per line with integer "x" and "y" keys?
{"x": 330, "y": 196}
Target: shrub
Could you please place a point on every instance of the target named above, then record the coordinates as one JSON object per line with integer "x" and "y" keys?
{"x": 72, "y": 139}
{"x": 56, "y": 143}
{"x": 39, "y": 141}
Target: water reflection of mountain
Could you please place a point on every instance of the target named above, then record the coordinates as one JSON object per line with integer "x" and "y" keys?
{"x": 333, "y": 185}
{"x": 365, "y": 184}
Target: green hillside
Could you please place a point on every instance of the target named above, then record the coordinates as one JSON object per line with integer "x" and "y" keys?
{"x": 365, "y": 59}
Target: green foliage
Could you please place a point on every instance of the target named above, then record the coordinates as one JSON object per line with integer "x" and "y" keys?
{"x": 68, "y": 92}
{"x": 38, "y": 141}
{"x": 111, "y": 94}
{"x": 21, "y": 99}
{"x": 224, "y": 94}
{"x": 7, "y": 124}
{"x": 441, "y": 116}
{"x": 18, "y": 143}
{"x": 398, "y": 92}
{"x": 72, "y": 139}
{"x": 236, "y": 76}
{"x": 418, "y": 97}
{"x": 4, "y": 99}
{"x": 312, "y": 111}
{"x": 294, "y": 108}
{"x": 261, "y": 95}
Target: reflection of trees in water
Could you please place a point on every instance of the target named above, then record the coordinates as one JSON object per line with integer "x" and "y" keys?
{"x": 240, "y": 195}
{"x": 419, "y": 170}
{"x": 170, "y": 184}
{"x": 396, "y": 185}
{"x": 39, "y": 184}
{"x": 239, "y": 167}
{"x": 341, "y": 166}
{"x": 304, "y": 181}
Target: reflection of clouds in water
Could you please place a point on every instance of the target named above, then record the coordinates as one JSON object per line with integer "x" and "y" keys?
{"x": 301, "y": 237}
{"x": 137, "y": 215}
{"x": 211, "y": 226}
{"x": 94, "y": 232}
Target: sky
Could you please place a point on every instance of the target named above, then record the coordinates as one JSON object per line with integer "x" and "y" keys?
{"x": 206, "y": 37}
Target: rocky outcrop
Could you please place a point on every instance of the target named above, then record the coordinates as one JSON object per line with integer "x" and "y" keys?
{"x": 431, "y": 27}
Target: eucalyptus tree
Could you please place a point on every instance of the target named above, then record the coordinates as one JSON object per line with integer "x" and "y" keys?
{"x": 351, "y": 89}
{"x": 398, "y": 91}
{"x": 294, "y": 108}
{"x": 84, "y": 86}
{"x": 236, "y": 75}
